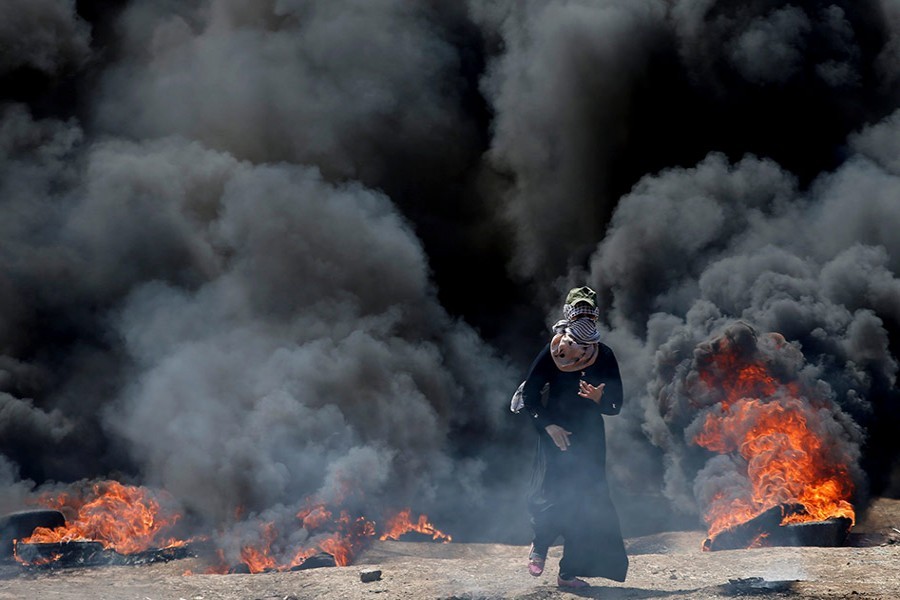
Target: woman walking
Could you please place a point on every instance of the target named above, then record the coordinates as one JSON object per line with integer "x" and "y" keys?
{"x": 572, "y": 383}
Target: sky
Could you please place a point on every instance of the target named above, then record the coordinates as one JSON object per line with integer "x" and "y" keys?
{"x": 253, "y": 252}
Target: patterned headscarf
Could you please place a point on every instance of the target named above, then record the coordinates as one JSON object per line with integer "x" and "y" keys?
{"x": 575, "y": 337}
{"x": 582, "y": 309}
{"x": 580, "y": 327}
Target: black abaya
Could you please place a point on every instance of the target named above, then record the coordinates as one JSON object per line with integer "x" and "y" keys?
{"x": 569, "y": 496}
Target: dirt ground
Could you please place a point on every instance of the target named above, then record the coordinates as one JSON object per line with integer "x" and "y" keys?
{"x": 668, "y": 565}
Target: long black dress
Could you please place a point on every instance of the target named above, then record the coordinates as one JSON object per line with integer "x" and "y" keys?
{"x": 569, "y": 495}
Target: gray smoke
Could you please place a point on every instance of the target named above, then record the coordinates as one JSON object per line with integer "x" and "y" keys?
{"x": 769, "y": 42}
{"x": 238, "y": 319}
{"x": 318, "y": 339}
{"x": 691, "y": 251}
{"x": 46, "y": 35}
{"x": 698, "y": 244}
{"x": 278, "y": 329}
{"x": 15, "y": 490}
{"x": 566, "y": 73}
{"x": 343, "y": 86}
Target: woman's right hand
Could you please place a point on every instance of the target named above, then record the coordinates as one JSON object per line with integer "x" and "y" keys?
{"x": 559, "y": 435}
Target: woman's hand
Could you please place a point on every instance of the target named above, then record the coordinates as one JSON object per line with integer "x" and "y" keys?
{"x": 586, "y": 390}
{"x": 560, "y": 436}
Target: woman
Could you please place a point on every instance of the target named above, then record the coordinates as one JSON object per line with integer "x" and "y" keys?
{"x": 569, "y": 495}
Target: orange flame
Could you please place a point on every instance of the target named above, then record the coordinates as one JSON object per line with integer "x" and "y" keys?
{"x": 401, "y": 523}
{"x": 352, "y": 536}
{"x": 738, "y": 379}
{"x": 342, "y": 537}
{"x": 767, "y": 422}
{"x": 127, "y": 519}
{"x": 130, "y": 519}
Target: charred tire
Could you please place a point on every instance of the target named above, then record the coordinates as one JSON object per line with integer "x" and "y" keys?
{"x": 19, "y": 525}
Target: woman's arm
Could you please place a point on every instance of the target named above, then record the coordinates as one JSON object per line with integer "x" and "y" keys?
{"x": 534, "y": 385}
{"x": 613, "y": 395}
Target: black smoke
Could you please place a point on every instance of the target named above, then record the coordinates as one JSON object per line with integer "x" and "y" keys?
{"x": 252, "y": 250}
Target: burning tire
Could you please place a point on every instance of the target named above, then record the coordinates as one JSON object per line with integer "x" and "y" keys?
{"x": 22, "y": 524}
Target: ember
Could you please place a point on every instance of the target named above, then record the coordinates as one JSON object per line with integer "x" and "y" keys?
{"x": 783, "y": 435}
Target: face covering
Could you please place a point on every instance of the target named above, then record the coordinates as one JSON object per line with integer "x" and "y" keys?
{"x": 569, "y": 354}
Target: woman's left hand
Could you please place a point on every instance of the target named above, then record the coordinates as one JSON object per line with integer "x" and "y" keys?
{"x": 586, "y": 390}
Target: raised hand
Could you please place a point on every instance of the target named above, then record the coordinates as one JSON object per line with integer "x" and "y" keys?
{"x": 586, "y": 390}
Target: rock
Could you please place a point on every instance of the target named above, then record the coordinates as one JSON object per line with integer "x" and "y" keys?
{"x": 368, "y": 575}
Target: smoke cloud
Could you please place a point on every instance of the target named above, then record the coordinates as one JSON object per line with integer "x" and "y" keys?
{"x": 259, "y": 252}
{"x": 765, "y": 195}
{"x": 46, "y": 35}
{"x": 814, "y": 265}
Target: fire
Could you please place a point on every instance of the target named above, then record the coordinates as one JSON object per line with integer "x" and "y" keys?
{"x": 776, "y": 429}
{"x": 737, "y": 376}
{"x": 786, "y": 464}
{"x": 126, "y": 519}
{"x": 352, "y": 536}
{"x": 340, "y": 535}
{"x": 346, "y": 538}
{"x": 259, "y": 558}
{"x": 401, "y": 524}
{"x": 130, "y": 519}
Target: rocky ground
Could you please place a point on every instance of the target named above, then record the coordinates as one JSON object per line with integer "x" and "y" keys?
{"x": 668, "y": 565}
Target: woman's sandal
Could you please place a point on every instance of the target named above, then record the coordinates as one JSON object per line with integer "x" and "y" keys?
{"x": 535, "y": 563}
{"x": 571, "y": 583}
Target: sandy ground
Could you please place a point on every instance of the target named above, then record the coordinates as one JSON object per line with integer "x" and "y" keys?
{"x": 667, "y": 565}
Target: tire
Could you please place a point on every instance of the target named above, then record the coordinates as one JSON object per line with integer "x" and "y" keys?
{"x": 19, "y": 525}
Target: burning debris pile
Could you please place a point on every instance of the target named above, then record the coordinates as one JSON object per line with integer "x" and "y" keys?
{"x": 782, "y": 457}
{"x": 124, "y": 518}
{"x": 108, "y": 522}
{"x": 105, "y": 522}
{"x": 318, "y": 535}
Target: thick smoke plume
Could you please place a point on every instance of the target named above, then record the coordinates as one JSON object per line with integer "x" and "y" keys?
{"x": 202, "y": 294}
{"x": 758, "y": 183}
{"x": 258, "y": 252}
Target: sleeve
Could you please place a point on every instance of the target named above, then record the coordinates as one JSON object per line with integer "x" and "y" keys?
{"x": 534, "y": 385}
{"x": 613, "y": 394}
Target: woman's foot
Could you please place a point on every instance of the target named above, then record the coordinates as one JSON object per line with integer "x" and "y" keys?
{"x": 535, "y": 562}
{"x": 571, "y": 583}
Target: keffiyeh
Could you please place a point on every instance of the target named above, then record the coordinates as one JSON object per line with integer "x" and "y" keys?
{"x": 574, "y": 343}
{"x": 582, "y": 330}
{"x": 582, "y": 309}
